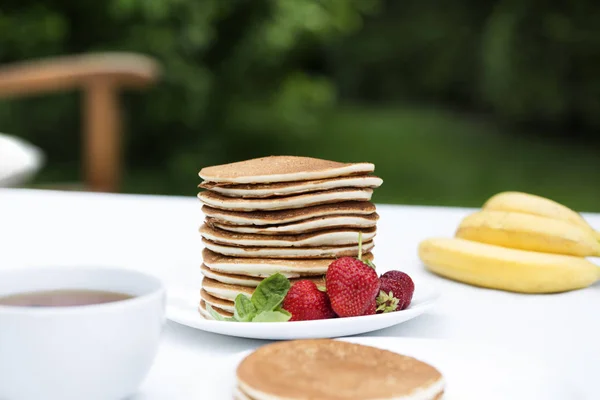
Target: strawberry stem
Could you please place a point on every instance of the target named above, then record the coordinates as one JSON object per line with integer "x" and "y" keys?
{"x": 386, "y": 302}
{"x": 367, "y": 262}
{"x": 360, "y": 246}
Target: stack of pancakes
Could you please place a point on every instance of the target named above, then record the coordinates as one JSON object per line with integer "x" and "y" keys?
{"x": 292, "y": 215}
{"x": 332, "y": 369}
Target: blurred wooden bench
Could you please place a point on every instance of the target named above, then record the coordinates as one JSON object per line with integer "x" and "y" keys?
{"x": 100, "y": 77}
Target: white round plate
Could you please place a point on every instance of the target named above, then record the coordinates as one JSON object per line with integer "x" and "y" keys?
{"x": 471, "y": 372}
{"x": 182, "y": 307}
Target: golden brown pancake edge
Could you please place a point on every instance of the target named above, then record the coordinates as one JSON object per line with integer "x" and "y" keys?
{"x": 216, "y": 200}
{"x": 316, "y": 369}
{"x": 319, "y": 252}
{"x": 228, "y": 237}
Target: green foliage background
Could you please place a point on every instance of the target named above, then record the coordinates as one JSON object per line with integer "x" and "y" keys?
{"x": 244, "y": 78}
{"x": 531, "y": 62}
{"x": 231, "y": 68}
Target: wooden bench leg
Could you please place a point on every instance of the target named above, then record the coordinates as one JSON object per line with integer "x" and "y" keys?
{"x": 102, "y": 136}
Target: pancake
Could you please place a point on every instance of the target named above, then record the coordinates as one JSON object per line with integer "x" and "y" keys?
{"x": 289, "y": 188}
{"x": 225, "y": 291}
{"x": 242, "y": 280}
{"x": 225, "y": 305}
{"x": 250, "y": 281}
{"x": 206, "y": 315}
{"x": 331, "y": 237}
{"x": 287, "y": 252}
{"x": 281, "y": 169}
{"x": 239, "y": 395}
{"x": 230, "y": 292}
{"x": 284, "y": 203}
{"x": 288, "y": 216}
{"x": 232, "y": 279}
{"x": 306, "y": 226}
{"x": 265, "y": 267}
{"x": 336, "y": 370}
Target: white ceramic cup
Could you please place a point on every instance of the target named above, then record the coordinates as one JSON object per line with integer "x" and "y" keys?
{"x": 94, "y": 352}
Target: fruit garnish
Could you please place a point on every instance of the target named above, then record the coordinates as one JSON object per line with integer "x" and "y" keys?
{"x": 244, "y": 309}
{"x": 269, "y": 294}
{"x": 272, "y": 316}
{"x": 306, "y": 302}
{"x": 372, "y": 308}
{"x": 263, "y": 306}
{"x": 395, "y": 292}
{"x": 386, "y": 302}
{"x": 352, "y": 288}
{"x": 351, "y": 285}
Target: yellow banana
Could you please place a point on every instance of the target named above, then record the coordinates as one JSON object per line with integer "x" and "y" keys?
{"x": 496, "y": 267}
{"x": 536, "y": 205}
{"x": 529, "y": 232}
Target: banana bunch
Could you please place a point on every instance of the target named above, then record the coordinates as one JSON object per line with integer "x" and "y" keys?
{"x": 518, "y": 242}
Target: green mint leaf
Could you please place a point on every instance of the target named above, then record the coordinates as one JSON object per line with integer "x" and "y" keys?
{"x": 322, "y": 288}
{"x": 272, "y": 316}
{"x": 269, "y": 294}
{"x": 244, "y": 310}
{"x": 216, "y": 315}
{"x": 286, "y": 312}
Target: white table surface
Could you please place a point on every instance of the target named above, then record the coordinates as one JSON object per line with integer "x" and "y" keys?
{"x": 159, "y": 234}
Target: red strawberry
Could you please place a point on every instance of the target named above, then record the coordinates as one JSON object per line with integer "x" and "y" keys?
{"x": 372, "y": 309}
{"x": 306, "y": 302}
{"x": 396, "y": 291}
{"x": 351, "y": 285}
{"x": 406, "y": 282}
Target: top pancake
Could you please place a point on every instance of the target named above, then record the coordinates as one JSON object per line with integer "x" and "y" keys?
{"x": 289, "y": 188}
{"x": 335, "y": 370}
{"x": 281, "y": 169}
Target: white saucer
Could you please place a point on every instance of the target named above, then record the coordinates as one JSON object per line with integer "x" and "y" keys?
{"x": 182, "y": 307}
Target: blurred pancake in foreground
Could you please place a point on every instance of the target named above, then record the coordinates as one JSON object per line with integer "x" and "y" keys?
{"x": 334, "y": 370}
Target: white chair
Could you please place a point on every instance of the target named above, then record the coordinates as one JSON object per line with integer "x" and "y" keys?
{"x": 101, "y": 77}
